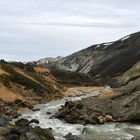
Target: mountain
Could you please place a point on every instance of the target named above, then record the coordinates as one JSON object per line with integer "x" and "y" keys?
{"x": 103, "y": 61}
{"x": 26, "y": 82}
{"x": 47, "y": 60}
{"x": 130, "y": 76}
{"x": 69, "y": 78}
{"x": 115, "y": 63}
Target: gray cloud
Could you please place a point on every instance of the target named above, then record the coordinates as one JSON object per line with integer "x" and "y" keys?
{"x": 32, "y": 29}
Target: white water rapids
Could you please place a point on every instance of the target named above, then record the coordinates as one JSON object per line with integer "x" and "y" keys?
{"x": 110, "y": 131}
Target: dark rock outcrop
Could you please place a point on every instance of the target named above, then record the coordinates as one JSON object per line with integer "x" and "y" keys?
{"x": 73, "y": 112}
{"x": 25, "y": 132}
{"x": 72, "y": 137}
{"x": 136, "y": 138}
{"x": 25, "y": 122}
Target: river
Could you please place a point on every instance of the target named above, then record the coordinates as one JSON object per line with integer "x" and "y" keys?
{"x": 109, "y": 131}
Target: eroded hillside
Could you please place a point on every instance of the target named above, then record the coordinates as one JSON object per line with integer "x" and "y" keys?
{"x": 26, "y": 82}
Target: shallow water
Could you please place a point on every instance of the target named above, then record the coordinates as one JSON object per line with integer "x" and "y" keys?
{"x": 110, "y": 131}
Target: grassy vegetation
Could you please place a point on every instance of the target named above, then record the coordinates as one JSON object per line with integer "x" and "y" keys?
{"x": 13, "y": 76}
{"x": 71, "y": 78}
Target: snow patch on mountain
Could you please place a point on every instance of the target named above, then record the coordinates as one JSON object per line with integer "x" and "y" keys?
{"x": 98, "y": 46}
{"x": 107, "y": 44}
{"x": 48, "y": 60}
{"x": 125, "y": 38}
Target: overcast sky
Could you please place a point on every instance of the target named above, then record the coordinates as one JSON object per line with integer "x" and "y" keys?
{"x": 34, "y": 29}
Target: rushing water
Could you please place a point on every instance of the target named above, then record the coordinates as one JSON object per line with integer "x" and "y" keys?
{"x": 110, "y": 131}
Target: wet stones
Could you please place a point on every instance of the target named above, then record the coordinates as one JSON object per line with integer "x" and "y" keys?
{"x": 3, "y": 122}
{"x": 25, "y": 122}
{"x": 49, "y": 113}
{"x": 1, "y": 103}
{"x": 73, "y": 112}
{"x": 19, "y": 130}
{"x": 35, "y": 109}
{"x": 22, "y": 130}
{"x": 69, "y": 136}
{"x": 79, "y": 106}
{"x": 40, "y": 134}
{"x": 109, "y": 118}
{"x": 69, "y": 104}
{"x": 17, "y": 101}
{"x": 136, "y": 138}
{"x": 22, "y": 122}
{"x": 12, "y": 137}
{"x": 34, "y": 121}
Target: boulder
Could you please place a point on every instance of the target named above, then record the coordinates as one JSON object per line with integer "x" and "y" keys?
{"x": 90, "y": 121}
{"x": 79, "y": 106}
{"x": 22, "y": 122}
{"x": 12, "y": 137}
{"x": 1, "y": 103}
{"x": 38, "y": 133}
{"x": 25, "y": 122}
{"x": 35, "y": 109}
{"x": 34, "y": 121}
{"x": 49, "y": 113}
{"x": 19, "y": 130}
{"x": 17, "y": 101}
{"x": 109, "y": 118}
{"x": 69, "y": 104}
{"x": 3, "y": 122}
{"x": 136, "y": 138}
{"x": 69, "y": 136}
{"x": 101, "y": 120}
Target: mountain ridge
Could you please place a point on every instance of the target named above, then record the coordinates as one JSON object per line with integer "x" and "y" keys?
{"x": 105, "y": 60}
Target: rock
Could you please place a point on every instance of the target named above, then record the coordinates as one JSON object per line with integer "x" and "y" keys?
{"x": 22, "y": 122}
{"x": 1, "y": 103}
{"x": 109, "y": 118}
{"x": 31, "y": 107}
{"x": 19, "y": 130}
{"x": 34, "y": 121}
{"x": 12, "y": 137}
{"x": 25, "y": 122}
{"x": 16, "y": 115}
{"x": 136, "y": 138}
{"x": 101, "y": 120}
{"x": 95, "y": 116}
{"x": 49, "y": 113}
{"x": 36, "y": 109}
{"x": 2, "y": 138}
{"x": 90, "y": 121}
{"x": 72, "y": 137}
{"x": 83, "y": 117}
{"x": 3, "y": 122}
{"x": 79, "y": 106}
{"x": 86, "y": 130}
{"x": 50, "y": 128}
{"x": 17, "y": 101}
{"x": 69, "y": 104}
{"x": 23, "y": 137}
{"x": 40, "y": 134}
{"x": 60, "y": 114}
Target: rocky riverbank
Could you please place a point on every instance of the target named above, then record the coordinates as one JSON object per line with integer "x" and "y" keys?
{"x": 21, "y": 130}
{"x": 84, "y": 105}
{"x": 109, "y": 106}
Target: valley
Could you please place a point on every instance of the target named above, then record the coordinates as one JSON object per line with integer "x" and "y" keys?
{"x": 93, "y": 94}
